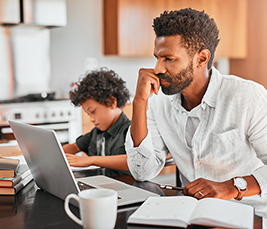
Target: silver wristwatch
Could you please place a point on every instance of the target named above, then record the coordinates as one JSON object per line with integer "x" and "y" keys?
{"x": 241, "y": 185}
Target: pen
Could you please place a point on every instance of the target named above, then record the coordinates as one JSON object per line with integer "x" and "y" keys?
{"x": 171, "y": 187}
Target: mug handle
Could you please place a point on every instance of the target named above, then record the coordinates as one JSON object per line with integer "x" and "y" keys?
{"x": 67, "y": 209}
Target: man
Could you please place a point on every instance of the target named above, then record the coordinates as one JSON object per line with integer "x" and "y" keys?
{"x": 215, "y": 126}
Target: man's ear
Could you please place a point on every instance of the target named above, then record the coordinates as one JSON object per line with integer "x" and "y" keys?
{"x": 113, "y": 102}
{"x": 203, "y": 57}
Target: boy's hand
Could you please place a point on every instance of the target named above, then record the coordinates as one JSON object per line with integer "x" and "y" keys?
{"x": 147, "y": 83}
{"x": 78, "y": 161}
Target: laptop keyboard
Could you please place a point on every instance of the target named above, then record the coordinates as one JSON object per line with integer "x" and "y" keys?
{"x": 83, "y": 186}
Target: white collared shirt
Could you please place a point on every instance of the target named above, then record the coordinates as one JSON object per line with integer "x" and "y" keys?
{"x": 230, "y": 139}
{"x": 191, "y": 125}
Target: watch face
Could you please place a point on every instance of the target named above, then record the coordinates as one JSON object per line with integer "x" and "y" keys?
{"x": 240, "y": 183}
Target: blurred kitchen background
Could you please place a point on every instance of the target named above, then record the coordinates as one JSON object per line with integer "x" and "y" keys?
{"x": 46, "y": 45}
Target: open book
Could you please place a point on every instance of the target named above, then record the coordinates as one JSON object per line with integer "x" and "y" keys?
{"x": 181, "y": 211}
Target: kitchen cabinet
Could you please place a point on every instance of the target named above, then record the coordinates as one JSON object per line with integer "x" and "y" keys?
{"x": 9, "y": 12}
{"x": 48, "y": 13}
{"x": 254, "y": 66}
{"x": 128, "y": 28}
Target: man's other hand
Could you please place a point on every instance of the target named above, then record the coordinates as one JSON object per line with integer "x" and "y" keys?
{"x": 202, "y": 188}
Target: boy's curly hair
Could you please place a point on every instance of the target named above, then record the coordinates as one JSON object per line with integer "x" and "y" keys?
{"x": 197, "y": 29}
{"x": 101, "y": 86}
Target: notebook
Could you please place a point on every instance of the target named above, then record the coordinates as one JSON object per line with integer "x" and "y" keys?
{"x": 52, "y": 173}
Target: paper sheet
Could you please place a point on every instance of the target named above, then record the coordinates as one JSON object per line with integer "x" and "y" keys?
{"x": 84, "y": 168}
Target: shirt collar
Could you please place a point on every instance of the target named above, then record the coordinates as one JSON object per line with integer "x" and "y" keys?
{"x": 114, "y": 129}
{"x": 214, "y": 86}
{"x": 210, "y": 95}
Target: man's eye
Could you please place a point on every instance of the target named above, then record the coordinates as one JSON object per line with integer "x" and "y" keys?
{"x": 92, "y": 112}
{"x": 169, "y": 59}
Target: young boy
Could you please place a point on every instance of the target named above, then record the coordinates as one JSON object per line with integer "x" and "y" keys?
{"x": 102, "y": 95}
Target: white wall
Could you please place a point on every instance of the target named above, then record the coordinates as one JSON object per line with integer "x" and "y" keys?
{"x": 82, "y": 38}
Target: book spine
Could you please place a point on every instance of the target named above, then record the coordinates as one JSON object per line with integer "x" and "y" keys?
{"x": 23, "y": 183}
{"x": 21, "y": 177}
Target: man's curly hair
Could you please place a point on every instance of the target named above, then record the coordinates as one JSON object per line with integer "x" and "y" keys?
{"x": 101, "y": 86}
{"x": 197, "y": 29}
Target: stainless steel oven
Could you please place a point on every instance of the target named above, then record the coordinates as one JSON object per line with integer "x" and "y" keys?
{"x": 58, "y": 115}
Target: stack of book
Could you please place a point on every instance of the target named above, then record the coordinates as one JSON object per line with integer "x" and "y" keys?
{"x": 9, "y": 203}
{"x": 13, "y": 176}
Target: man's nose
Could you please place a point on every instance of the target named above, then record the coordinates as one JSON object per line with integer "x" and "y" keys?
{"x": 159, "y": 67}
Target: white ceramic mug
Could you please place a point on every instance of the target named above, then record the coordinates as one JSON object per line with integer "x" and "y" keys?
{"x": 98, "y": 208}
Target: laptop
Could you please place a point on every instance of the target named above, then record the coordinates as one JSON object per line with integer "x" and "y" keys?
{"x": 51, "y": 171}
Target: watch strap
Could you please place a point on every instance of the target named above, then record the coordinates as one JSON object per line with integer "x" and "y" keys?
{"x": 240, "y": 195}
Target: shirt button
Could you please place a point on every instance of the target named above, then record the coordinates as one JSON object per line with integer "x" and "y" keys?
{"x": 197, "y": 162}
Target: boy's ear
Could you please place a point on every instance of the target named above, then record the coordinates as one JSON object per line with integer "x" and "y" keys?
{"x": 113, "y": 102}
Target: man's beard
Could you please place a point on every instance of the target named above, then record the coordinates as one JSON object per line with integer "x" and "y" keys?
{"x": 179, "y": 81}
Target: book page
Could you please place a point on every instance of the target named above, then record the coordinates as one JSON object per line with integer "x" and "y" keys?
{"x": 217, "y": 212}
{"x": 168, "y": 211}
{"x": 73, "y": 168}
